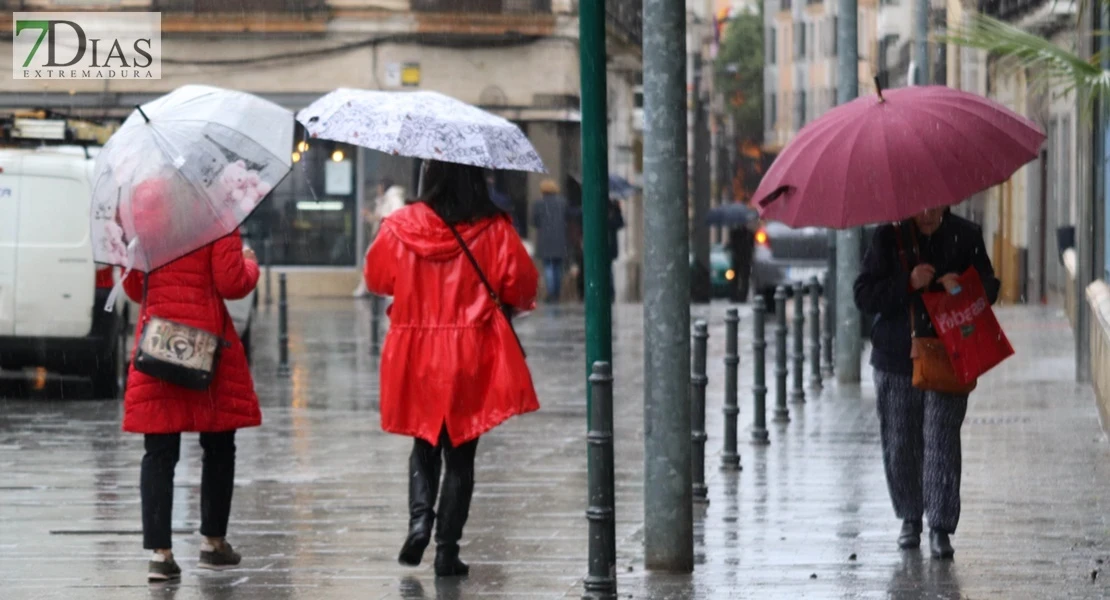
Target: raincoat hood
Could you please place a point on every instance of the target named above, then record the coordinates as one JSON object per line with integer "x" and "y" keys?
{"x": 423, "y": 232}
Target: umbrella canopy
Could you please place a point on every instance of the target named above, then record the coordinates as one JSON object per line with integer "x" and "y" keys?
{"x": 888, "y": 157}
{"x": 183, "y": 171}
{"x": 424, "y": 125}
{"x": 732, "y": 214}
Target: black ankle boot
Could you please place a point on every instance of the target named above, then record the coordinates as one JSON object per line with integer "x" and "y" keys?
{"x": 448, "y": 563}
{"x": 423, "y": 484}
{"x": 910, "y": 536}
{"x": 940, "y": 545}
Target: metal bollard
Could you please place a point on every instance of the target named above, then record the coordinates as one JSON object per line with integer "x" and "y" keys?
{"x": 601, "y": 581}
{"x": 798, "y": 393}
{"x": 698, "y": 382}
{"x": 827, "y": 335}
{"x": 782, "y": 413}
{"x": 375, "y": 325}
{"x": 730, "y": 457}
{"x": 268, "y": 248}
{"x": 815, "y": 334}
{"x": 283, "y": 328}
{"x": 759, "y": 373}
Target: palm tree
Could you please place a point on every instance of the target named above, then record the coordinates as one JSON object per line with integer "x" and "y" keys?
{"x": 1055, "y": 68}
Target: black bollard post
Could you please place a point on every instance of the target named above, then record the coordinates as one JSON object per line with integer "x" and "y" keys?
{"x": 601, "y": 582}
{"x": 268, "y": 248}
{"x": 827, "y": 335}
{"x": 283, "y": 328}
{"x": 375, "y": 324}
{"x": 730, "y": 457}
{"x": 815, "y": 334}
{"x": 698, "y": 382}
{"x": 798, "y": 393}
{"x": 759, "y": 373}
{"x": 782, "y": 412}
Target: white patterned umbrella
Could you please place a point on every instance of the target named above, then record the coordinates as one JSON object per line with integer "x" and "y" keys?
{"x": 424, "y": 125}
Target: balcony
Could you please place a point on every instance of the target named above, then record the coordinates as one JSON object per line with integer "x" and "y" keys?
{"x": 1036, "y": 12}
{"x": 626, "y": 17}
{"x": 304, "y": 7}
{"x": 487, "y": 7}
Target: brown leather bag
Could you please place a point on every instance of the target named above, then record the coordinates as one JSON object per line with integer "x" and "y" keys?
{"x": 932, "y": 367}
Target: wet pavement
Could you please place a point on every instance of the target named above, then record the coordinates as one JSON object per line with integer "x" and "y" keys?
{"x": 319, "y": 508}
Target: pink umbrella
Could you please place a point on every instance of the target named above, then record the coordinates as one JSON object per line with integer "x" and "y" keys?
{"x": 888, "y": 157}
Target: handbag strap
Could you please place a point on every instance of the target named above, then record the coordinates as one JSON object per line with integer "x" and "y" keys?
{"x": 474, "y": 263}
{"x": 906, "y": 266}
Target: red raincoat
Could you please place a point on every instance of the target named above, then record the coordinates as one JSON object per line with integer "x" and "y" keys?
{"x": 191, "y": 291}
{"x": 450, "y": 357}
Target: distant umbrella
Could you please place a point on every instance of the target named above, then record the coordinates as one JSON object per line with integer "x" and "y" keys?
{"x": 731, "y": 215}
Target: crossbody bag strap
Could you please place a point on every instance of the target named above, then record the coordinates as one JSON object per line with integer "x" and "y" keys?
{"x": 474, "y": 263}
{"x": 906, "y": 266}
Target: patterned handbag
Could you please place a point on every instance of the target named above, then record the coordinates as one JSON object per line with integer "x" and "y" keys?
{"x": 177, "y": 354}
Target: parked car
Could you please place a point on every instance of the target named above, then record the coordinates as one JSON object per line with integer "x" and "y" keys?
{"x": 52, "y": 294}
{"x": 783, "y": 256}
{"x": 242, "y": 311}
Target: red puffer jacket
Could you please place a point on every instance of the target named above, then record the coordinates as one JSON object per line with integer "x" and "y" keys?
{"x": 450, "y": 356}
{"x": 191, "y": 291}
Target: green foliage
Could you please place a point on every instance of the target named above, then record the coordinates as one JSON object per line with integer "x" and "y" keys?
{"x": 739, "y": 74}
{"x": 1057, "y": 69}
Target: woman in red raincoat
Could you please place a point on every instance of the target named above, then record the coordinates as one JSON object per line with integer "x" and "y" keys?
{"x": 191, "y": 291}
{"x": 452, "y": 368}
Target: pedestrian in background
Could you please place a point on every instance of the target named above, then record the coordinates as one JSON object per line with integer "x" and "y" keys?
{"x": 550, "y": 219}
{"x": 920, "y": 429}
{"x": 452, "y": 368}
{"x": 190, "y": 291}
{"x": 390, "y": 198}
{"x": 616, "y": 223}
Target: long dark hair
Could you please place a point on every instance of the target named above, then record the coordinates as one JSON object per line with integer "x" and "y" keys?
{"x": 457, "y": 193}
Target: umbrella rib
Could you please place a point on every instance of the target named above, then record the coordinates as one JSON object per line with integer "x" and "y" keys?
{"x": 921, "y": 141}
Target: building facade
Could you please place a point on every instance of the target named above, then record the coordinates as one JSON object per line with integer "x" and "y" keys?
{"x": 516, "y": 58}
{"x": 800, "y": 78}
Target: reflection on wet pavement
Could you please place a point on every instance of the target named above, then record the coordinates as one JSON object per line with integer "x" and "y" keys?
{"x": 319, "y": 509}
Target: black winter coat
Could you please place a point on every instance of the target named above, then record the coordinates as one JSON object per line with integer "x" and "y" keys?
{"x": 883, "y": 286}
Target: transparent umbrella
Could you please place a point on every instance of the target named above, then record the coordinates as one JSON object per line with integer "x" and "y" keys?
{"x": 183, "y": 171}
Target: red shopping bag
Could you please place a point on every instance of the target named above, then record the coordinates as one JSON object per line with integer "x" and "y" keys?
{"x": 966, "y": 324}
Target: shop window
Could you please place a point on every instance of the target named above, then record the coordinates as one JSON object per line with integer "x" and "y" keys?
{"x": 311, "y": 218}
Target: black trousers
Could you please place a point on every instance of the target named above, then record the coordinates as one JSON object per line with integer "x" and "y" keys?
{"x": 156, "y": 484}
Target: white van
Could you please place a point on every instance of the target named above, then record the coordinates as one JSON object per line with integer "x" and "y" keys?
{"x": 52, "y": 294}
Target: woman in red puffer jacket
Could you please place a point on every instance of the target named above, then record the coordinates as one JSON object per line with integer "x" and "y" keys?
{"x": 452, "y": 368}
{"x": 191, "y": 291}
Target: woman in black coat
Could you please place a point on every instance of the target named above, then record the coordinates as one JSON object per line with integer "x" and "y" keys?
{"x": 920, "y": 429}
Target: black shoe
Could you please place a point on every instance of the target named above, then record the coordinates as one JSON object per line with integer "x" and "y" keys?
{"x": 910, "y": 536}
{"x": 940, "y": 545}
{"x": 448, "y": 563}
{"x": 162, "y": 568}
{"x": 424, "y": 464}
{"x": 218, "y": 559}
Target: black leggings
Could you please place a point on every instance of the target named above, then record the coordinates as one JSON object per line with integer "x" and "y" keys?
{"x": 156, "y": 484}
